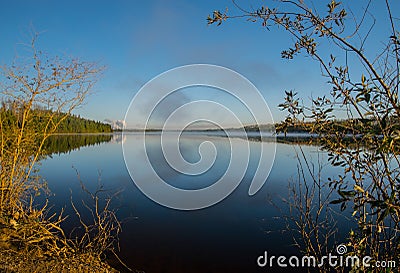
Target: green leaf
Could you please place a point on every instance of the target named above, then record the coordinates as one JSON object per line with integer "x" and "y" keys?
{"x": 363, "y": 79}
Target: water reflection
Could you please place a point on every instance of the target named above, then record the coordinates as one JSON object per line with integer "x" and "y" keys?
{"x": 118, "y": 138}
{"x": 227, "y": 237}
{"x": 65, "y": 143}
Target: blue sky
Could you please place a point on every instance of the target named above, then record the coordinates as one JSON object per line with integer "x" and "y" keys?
{"x": 137, "y": 40}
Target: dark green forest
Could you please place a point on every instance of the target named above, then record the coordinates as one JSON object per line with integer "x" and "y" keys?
{"x": 77, "y": 124}
{"x": 62, "y": 132}
{"x": 11, "y": 117}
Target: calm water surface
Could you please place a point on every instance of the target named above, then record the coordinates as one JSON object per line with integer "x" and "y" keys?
{"x": 226, "y": 237}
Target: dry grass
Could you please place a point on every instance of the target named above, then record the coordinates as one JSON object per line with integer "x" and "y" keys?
{"x": 16, "y": 261}
{"x": 33, "y": 241}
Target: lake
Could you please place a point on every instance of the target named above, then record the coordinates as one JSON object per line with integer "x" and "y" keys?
{"x": 226, "y": 237}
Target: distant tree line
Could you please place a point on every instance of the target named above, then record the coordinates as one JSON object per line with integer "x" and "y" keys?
{"x": 11, "y": 113}
{"x": 77, "y": 124}
{"x": 347, "y": 126}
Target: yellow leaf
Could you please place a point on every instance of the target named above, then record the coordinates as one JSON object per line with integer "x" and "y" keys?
{"x": 358, "y": 188}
